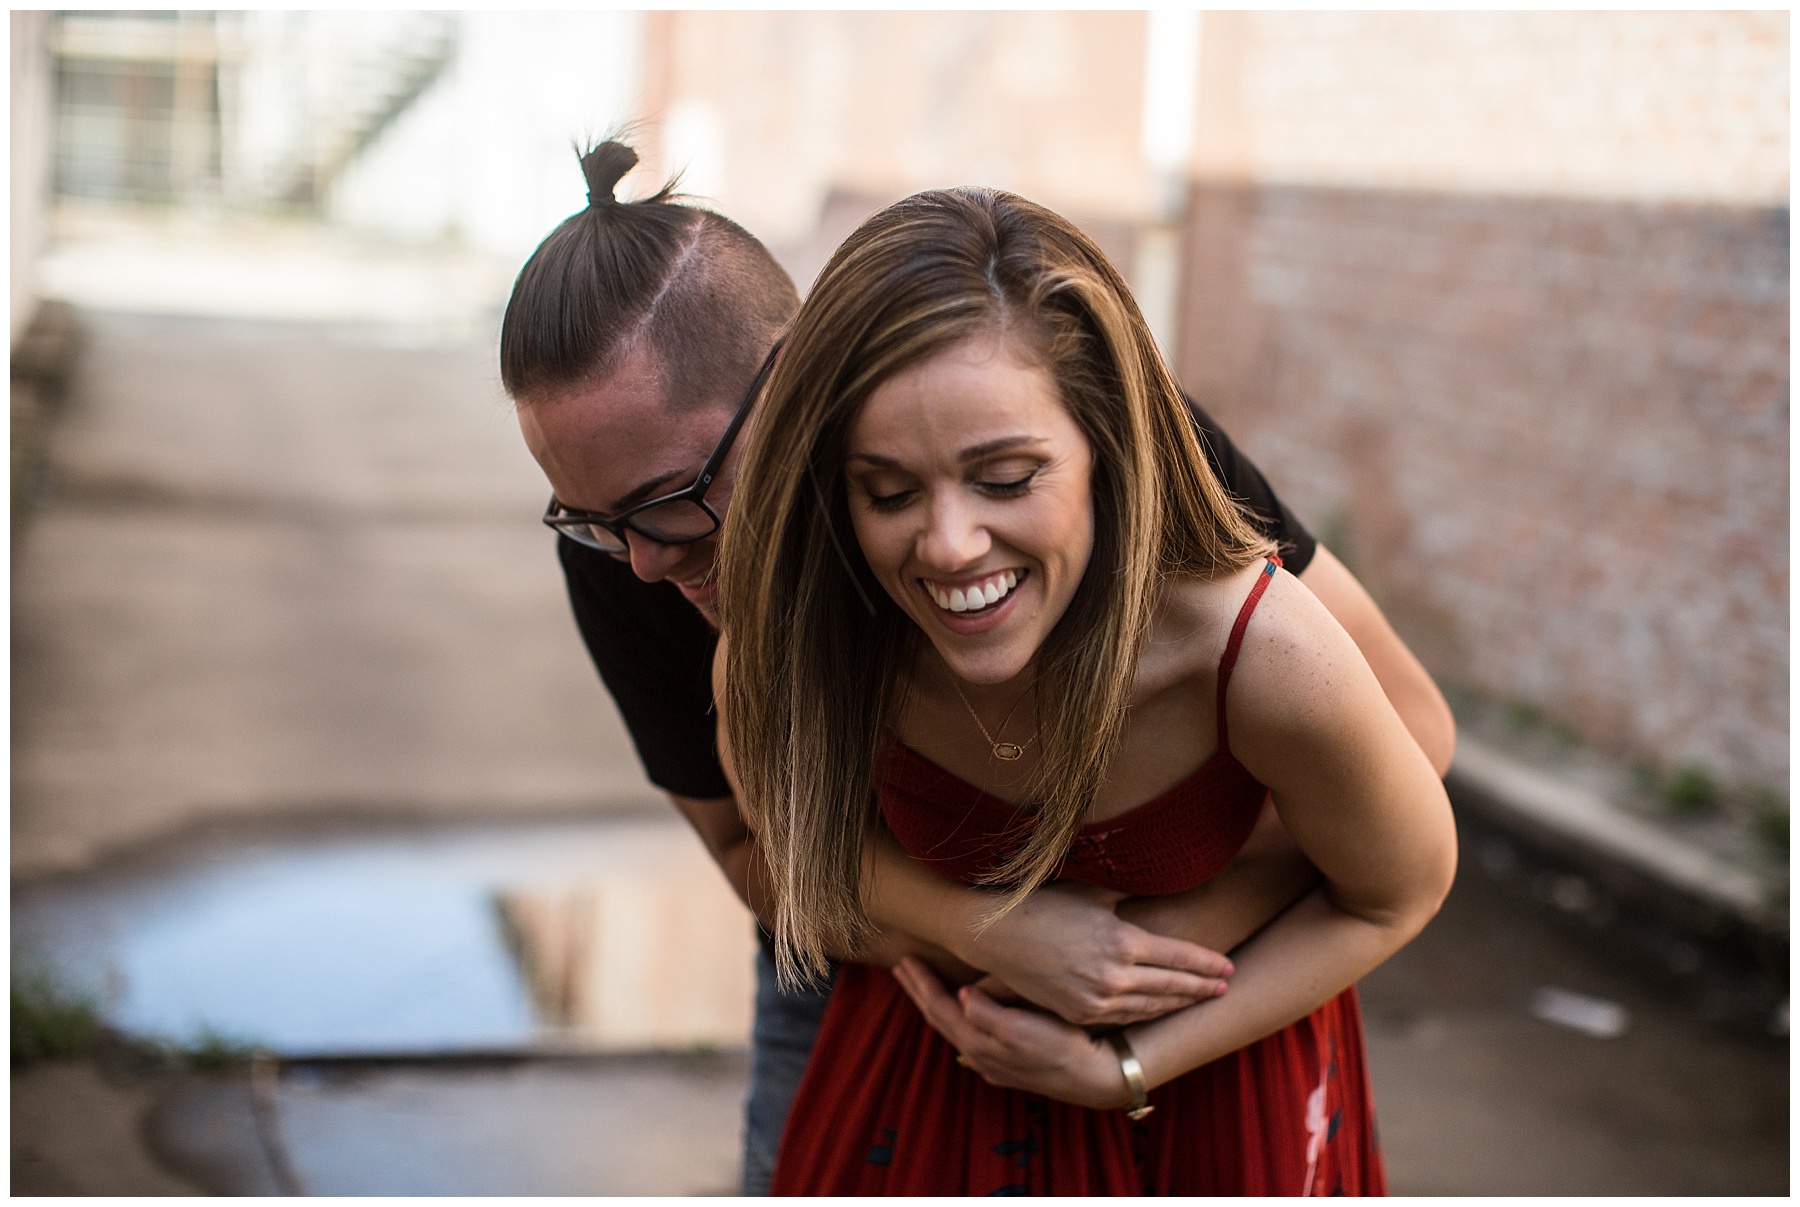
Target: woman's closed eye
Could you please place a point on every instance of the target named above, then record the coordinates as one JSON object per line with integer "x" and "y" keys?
{"x": 1007, "y": 489}
{"x": 892, "y": 491}
{"x": 890, "y": 502}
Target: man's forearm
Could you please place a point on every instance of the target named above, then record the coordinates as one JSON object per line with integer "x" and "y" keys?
{"x": 735, "y": 849}
{"x": 904, "y": 897}
{"x": 732, "y": 844}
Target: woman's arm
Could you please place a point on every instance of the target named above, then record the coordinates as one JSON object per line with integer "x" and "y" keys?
{"x": 1268, "y": 874}
{"x": 1064, "y": 948}
{"x": 1352, "y": 786}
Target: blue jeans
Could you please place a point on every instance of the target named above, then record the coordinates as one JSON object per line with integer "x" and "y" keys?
{"x": 780, "y": 1041}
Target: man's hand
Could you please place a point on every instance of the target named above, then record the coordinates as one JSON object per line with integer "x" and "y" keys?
{"x": 1065, "y": 949}
{"x": 1018, "y": 1049}
{"x": 889, "y": 947}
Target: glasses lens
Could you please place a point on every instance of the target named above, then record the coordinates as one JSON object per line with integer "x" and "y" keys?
{"x": 673, "y": 523}
{"x": 591, "y": 535}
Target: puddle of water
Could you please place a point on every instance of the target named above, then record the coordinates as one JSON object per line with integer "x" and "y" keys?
{"x": 605, "y": 934}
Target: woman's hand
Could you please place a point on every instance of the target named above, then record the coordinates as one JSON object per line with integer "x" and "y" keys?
{"x": 1017, "y": 1049}
{"x": 1065, "y": 949}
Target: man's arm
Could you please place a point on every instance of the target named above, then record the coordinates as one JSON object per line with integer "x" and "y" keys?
{"x": 1407, "y": 684}
{"x": 733, "y": 847}
{"x": 720, "y": 825}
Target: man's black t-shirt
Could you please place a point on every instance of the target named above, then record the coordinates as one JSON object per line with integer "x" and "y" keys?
{"x": 654, "y": 650}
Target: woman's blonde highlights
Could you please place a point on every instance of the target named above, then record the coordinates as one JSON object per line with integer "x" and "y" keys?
{"x": 819, "y": 652}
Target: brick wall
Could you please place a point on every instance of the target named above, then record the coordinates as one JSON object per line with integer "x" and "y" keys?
{"x": 1667, "y": 105}
{"x": 1551, "y": 435}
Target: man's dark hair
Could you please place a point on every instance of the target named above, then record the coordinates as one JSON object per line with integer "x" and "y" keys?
{"x": 700, "y": 293}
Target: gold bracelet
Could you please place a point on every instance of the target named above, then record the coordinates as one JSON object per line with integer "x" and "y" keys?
{"x": 1134, "y": 1076}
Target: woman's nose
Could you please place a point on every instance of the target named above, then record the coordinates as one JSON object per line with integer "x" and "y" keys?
{"x": 652, "y": 560}
{"x": 953, "y": 537}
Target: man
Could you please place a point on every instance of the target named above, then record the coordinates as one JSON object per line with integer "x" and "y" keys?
{"x": 632, "y": 343}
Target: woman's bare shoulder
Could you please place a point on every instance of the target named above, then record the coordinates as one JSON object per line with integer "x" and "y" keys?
{"x": 1297, "y": 669}
{"x": 1193, "y": 621}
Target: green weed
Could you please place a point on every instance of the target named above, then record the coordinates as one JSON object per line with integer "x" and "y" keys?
{"x": 213, "y": 1050}
{"x": 1770, "y": 824}
{"x": 49, "y": 1020}
{"x": 1691, "y": 791}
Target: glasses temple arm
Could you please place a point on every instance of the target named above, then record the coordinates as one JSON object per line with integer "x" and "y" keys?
{"x": 711, "y": 469}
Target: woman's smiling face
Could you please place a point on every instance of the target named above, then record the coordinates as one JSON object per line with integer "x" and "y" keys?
{"x": 969, "y": 491}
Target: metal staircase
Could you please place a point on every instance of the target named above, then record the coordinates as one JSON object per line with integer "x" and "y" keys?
{"x": 375, "y": 86}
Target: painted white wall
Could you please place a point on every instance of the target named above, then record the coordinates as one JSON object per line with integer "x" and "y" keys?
{"x": 486, "y": 156}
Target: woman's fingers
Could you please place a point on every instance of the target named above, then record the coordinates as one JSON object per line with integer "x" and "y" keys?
{"x": 985, "y": 1013}
{"x": 1011, "y": 1040}
{"x": 922, "y": 987}
{"x": 1003, "y": 1045}
{"x": 941, "y": 1010}
{"x": 967, "y": 1021}
{"x": 998, "y": 989}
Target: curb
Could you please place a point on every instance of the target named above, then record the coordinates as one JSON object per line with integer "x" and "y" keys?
{"x": 1515, "y": 794}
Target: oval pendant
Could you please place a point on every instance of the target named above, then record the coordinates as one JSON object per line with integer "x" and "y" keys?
{"x": 1008, "y": 751}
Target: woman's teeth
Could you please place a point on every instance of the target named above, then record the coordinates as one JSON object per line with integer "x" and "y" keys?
{"x": 976, "y": 597}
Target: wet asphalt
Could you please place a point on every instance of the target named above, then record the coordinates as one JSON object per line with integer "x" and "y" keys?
{"x": 1475, "y": 1095}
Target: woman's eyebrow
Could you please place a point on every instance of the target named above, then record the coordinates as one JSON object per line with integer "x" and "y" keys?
{"x": 974, "y": 452}
{"x": 989, "y": 447}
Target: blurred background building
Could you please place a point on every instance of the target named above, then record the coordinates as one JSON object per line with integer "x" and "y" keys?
{"x": 1498, "y": 301}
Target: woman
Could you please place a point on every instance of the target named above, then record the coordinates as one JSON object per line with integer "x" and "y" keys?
{"x": 983, "y": 595}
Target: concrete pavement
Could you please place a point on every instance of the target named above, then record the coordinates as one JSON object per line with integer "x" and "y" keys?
{"x": 279, "y": 576}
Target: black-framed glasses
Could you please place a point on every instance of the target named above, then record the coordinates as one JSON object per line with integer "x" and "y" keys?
{"x": 679, "y": 518}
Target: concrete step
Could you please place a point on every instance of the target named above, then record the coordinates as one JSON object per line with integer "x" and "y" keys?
{"x": 1554, "y": 808}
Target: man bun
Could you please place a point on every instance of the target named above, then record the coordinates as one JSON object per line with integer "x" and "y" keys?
{"x": 691, "y": 286}
{"x": 604, "y": 167}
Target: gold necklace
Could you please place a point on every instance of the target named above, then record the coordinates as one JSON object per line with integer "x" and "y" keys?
{"x": 1009, "y": 752}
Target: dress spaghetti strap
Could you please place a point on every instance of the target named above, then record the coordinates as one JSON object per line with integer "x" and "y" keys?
{"x": 885, "y": 1109}
{"x": 1229, "y": 659}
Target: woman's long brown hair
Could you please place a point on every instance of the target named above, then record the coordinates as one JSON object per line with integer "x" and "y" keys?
{"x": 818, "y": 652}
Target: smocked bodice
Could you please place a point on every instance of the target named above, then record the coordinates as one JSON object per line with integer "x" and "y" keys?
{"x": 1181, "y": 839}
{"x": 1176, "y": 841}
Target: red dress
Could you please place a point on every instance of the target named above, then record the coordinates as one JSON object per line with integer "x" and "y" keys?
{"x": 884, "y": 1109}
